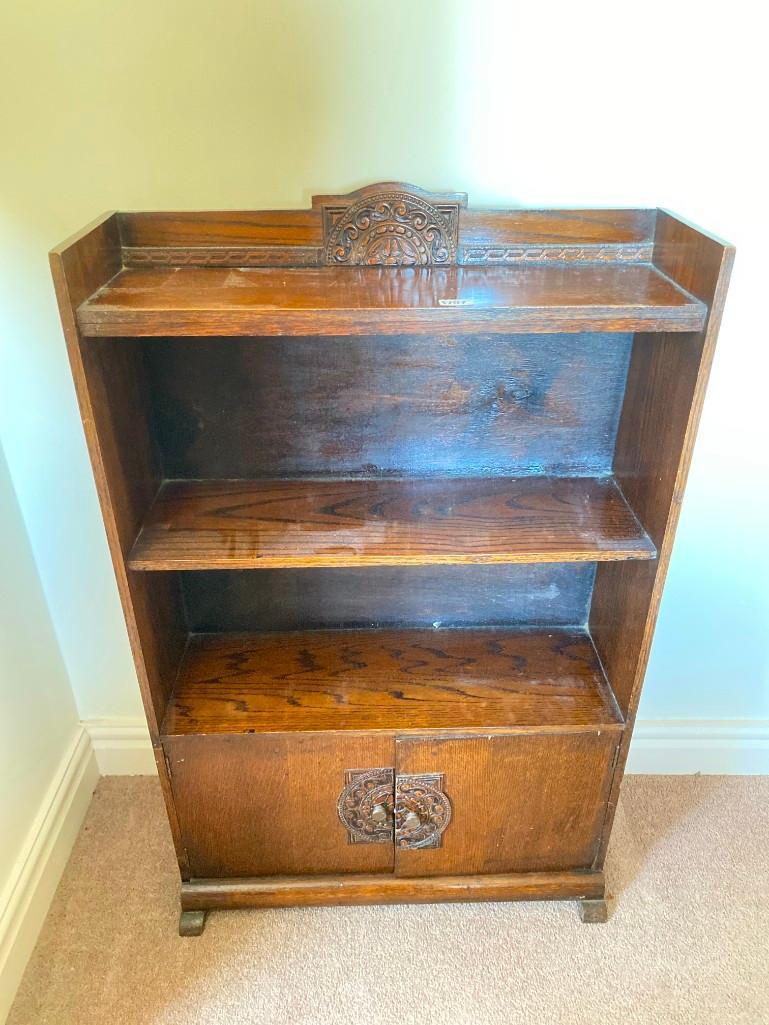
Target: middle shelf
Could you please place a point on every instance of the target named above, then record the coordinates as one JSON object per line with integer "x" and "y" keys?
{"x": 314, "y": 522}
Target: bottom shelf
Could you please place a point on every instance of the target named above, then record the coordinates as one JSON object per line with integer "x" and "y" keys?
{"x": 401, "y": 680}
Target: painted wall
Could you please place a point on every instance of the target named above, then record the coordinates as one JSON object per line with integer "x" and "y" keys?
{"x": 38, "y": 725}
{"x": 243, "y": 104}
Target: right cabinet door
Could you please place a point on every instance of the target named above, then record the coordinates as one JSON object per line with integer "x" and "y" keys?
{"x": 500, "y": 803}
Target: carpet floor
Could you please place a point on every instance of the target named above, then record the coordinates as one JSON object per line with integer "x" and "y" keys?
{"x": 688, "y": 940}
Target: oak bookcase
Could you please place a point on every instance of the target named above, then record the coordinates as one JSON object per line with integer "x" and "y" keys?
{"x": 390, "y": 486}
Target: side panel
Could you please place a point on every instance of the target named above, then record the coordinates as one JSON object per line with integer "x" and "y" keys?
{"x": 519, "y": 803}
{"x": 126, "y": 471}
{"x": 663, "y": 402}
{"x": 267, "y": 805}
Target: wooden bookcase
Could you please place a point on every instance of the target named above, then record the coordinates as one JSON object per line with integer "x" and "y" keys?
{"x": 390, "y": 487}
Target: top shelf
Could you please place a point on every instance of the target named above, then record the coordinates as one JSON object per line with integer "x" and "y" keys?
{"x": 181, "y": 301}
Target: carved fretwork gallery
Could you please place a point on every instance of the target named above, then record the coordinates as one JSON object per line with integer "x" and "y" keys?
{"x": 390, "y": 486}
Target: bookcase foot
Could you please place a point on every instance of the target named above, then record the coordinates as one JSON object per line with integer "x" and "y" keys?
{"x": 192, "y": 923}
{"x": 593, "y": 911}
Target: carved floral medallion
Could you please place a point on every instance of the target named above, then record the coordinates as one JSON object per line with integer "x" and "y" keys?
{"x": 365, "y": 806}
{"x": 392, "y": 229}
{"x": 422, "y": 811}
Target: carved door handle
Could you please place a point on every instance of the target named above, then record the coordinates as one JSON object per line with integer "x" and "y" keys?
{"x": 380, "y": 815}
{"x": 410, "y": 822}
{"x": 422, "y": 811}
{"x": 376, "y": 806}
{"x": 365, "y": 805}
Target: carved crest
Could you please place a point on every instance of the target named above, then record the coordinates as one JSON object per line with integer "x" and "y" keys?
{"x": 390, "y": 225}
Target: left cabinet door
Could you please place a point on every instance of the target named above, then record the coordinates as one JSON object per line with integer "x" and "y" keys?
{"x": 283, "y": 804}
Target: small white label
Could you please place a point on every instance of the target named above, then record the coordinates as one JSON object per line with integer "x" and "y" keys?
{"x": 456, "y": 302}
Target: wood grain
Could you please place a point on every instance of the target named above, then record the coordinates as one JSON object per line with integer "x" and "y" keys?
{"x": 326, "y": 891}
{"x": 529, "y": 803}
{"x": 665, "y": 392}
{"x": 266, "y": 805}
{"x": 296, "y": 523}
{"x": 528, "y": 594}
{"x": 129, "y": 462}
{"x": 249, "y": 228}
{"x": 226, "y": 228}
{"x": 126, "y": 474}
{"x": 452, "y": 405}
{"x": 284, "y": 238}
{"x": 556, "y": 227}
{"x": 368, "y": 464}
{"x": 354, "y": 301}
{"x": 404, "y": 680}
{"x": 113, "y": 406}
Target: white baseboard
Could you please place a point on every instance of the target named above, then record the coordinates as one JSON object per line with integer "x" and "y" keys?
{"x": 730, "y": 747}
{"x": 41, "y": 861}
{"x": 122, "y": 746}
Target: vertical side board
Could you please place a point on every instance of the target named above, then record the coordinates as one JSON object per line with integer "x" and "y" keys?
{"x": 127, "y": 477}
{"x": 665, "y": 391}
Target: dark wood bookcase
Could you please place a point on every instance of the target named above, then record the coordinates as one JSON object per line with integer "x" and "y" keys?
{"x": 390, "y": 487}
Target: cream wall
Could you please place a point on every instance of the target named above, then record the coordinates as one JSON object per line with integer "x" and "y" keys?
{"x": 39, "y": 729}
{"x": 38, "y": 718}
{"x": 249, "y": 104}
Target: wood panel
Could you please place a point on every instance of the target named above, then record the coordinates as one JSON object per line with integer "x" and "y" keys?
{"x": 665, "y": 391}
{"x": 245, "y": 601}
{"x": 113, "y": 406}
{"x": 130, "y": 461}
{"x": 402, "y": 680}
{"x": 303, "y": 523}
{"x": 387, "y": 300}
{"x": 503, "y": 228}
{"x": 227, "y": 228}
{"x": 664, "y": 396}
{"x": 326, "y": 891}
{"x": 119, "y": 395}
{"x": 115, "y": 420}
{"x": 452, "y": 405}
{"x": 267, "y": 805}
{"x": 305, "y": 228}
{"x": 530, "y": 803}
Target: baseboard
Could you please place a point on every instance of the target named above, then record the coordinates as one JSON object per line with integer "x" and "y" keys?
{"x": 122, "y": 746}
{"x": 41, "y": 861}
{"x": 730, "y": 747}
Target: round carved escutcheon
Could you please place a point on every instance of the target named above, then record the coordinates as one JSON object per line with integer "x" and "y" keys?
{"x": 365, "y": 806}
{"x": 422, "y": 811}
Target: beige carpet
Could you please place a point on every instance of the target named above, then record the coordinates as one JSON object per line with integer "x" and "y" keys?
{"x": 688, "y": 941}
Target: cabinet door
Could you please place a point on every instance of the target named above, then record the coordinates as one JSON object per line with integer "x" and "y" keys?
{"x": 508, "y": 803}
{"x": 283, "y": 804}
